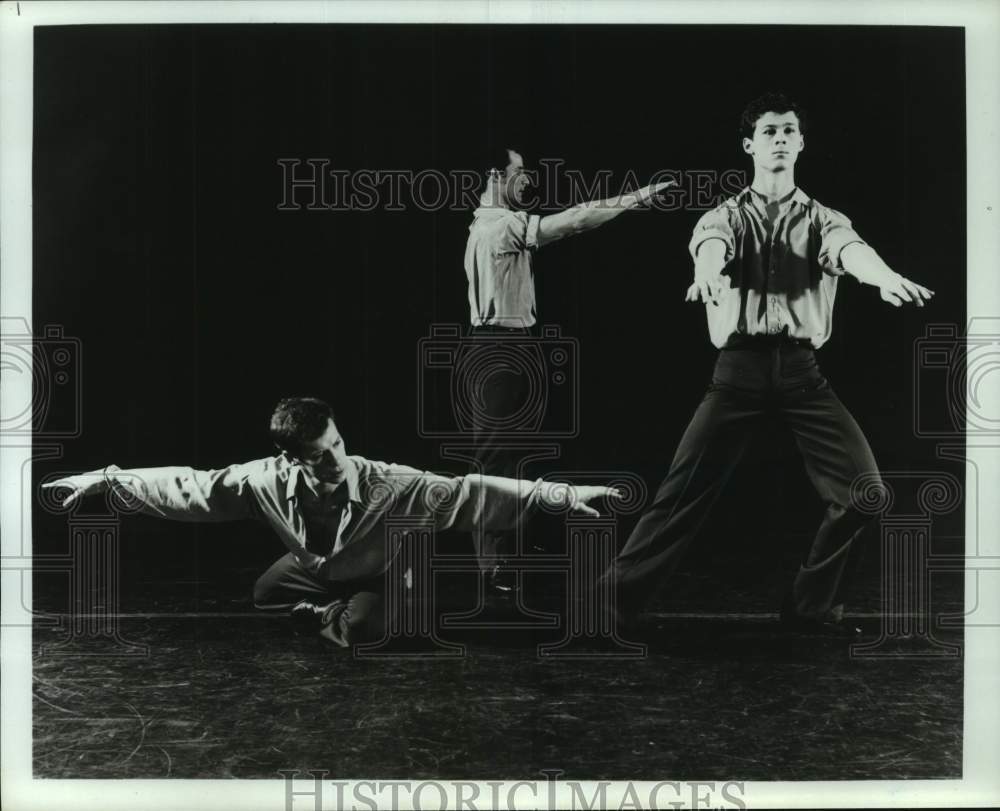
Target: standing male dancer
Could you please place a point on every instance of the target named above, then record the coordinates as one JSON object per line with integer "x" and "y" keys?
{"x": 498, "y": 265}
{"x": 766, "y": 265}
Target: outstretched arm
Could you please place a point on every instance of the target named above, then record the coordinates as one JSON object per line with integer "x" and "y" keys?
{"x": 587, "y": 216}
{"x": 709, "y": 284}
{"x": 498, "y": 503}
{"x": 494, "y": 503}
{"x": 179, "y": 493}
{"x": 867, "y": 266}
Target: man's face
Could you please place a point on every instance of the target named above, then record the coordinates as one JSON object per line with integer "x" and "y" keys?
{"x": 516, "y": 181}
{"x": 325, "y": 458}
{"x": 776, "y": 143}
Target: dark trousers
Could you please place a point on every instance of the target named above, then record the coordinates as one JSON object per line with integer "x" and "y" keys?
{"x": 764, "y": 377}
{"x": 499, "y": 393}
{"x": 357, "y": 610}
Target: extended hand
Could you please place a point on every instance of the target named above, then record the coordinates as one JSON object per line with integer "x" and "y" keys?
{"x": 645, "y": 196}
{"x": 559, "y": 495}
{"x": 900, "y": 289}
{"x": 83, "y": 484}
{"x": 709, "y": 288}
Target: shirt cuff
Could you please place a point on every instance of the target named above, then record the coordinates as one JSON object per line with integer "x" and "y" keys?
{"x": 702, "y": 235}
{"x": 830, "y": 259}
{"x": 531, "y": 232}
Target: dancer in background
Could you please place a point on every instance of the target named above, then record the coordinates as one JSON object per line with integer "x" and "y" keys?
{"x": 499, "y": 267}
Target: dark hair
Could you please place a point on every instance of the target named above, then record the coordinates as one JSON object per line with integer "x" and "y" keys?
{"x": 297, "y": 420}
{"x": 769, "y": 103}
{"x": 497, "y": 157}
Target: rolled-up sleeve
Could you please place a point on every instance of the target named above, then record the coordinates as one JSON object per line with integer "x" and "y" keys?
{"x": 836, "y": 234}
{"x": 186, "y": 494}
{"x": 519, "y": 232}
{"x": 714, "y": 224}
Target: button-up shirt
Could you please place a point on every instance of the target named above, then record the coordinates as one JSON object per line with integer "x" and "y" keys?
{"x": 343, "y": 535}
{"x": 498, "y": 266}
{"x": 783, "y": 271}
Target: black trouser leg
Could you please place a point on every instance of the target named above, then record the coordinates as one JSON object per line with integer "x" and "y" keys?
{"x": 499, "y": 395}
{"x": 713, "y": 443}
{"x": 286, "y": 583}
{"x": 835, "y": 452}
{"x": 769, "y": 378}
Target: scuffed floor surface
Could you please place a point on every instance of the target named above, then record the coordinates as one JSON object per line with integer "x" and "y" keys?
{"x": 714, "y": 699}
{"x": 722, "y": 693}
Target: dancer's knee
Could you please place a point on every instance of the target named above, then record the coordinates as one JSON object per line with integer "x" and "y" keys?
{"x": 263, "y": 590}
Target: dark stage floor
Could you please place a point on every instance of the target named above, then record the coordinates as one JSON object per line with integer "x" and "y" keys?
{"x": 722, "y": 694}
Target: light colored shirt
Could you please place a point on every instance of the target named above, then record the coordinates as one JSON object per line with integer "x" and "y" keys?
{"x": 498, "y": 266}
{"x": 337, "y": 536}
{"x": 783, "y": 272}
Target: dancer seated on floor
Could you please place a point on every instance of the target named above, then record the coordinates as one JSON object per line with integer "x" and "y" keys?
{"x": 330, "y": 511}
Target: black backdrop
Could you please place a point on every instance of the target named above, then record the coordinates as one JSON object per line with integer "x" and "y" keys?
{"x": 159, "y": 244}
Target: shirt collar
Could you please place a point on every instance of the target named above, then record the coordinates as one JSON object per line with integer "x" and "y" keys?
{"x": 798, "y": 196}
{"x": 297, "y": 477}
